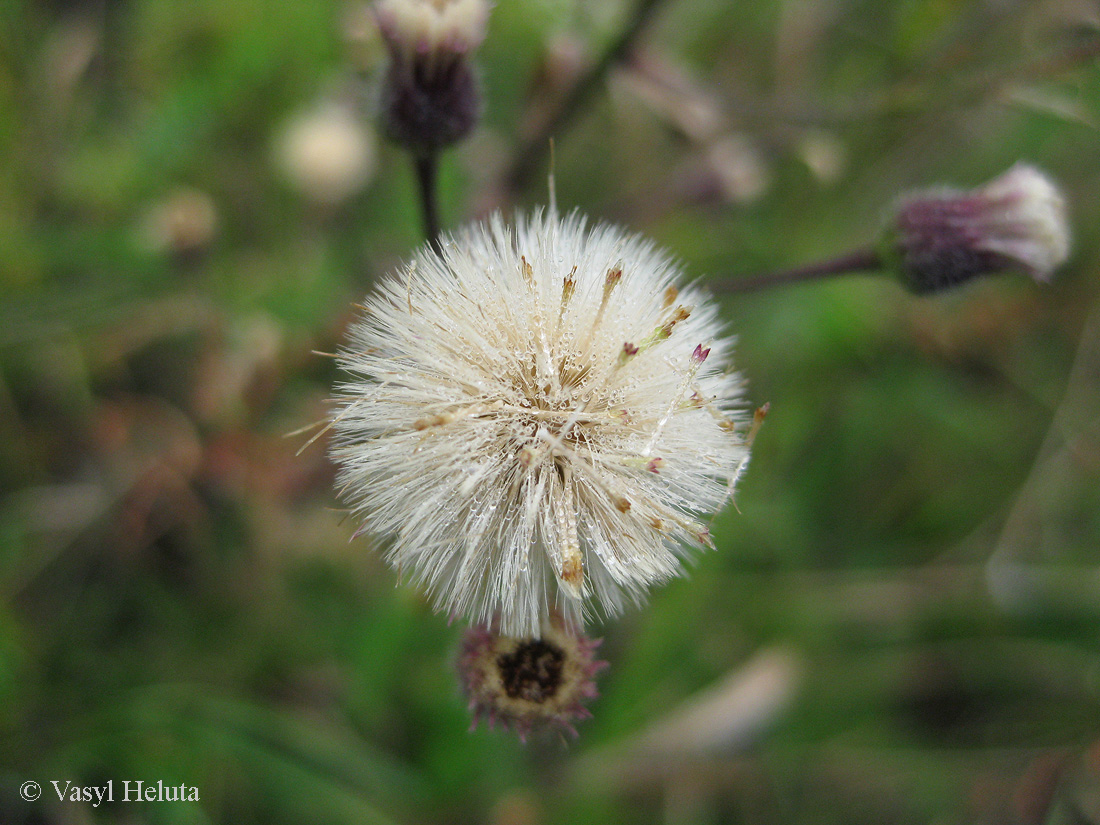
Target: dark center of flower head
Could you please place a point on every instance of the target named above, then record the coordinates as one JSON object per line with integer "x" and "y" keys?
{"x": 531, "y": 672}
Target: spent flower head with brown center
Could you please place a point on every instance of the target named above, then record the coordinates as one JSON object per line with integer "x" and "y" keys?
{"x": 530, "y": 682}
{"x": 536, "y": 420}
{"x": 941, "y": 238}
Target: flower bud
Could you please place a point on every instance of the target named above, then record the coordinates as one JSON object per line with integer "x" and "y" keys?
{"x": 1016, "y": 222}
{"x": 430, "y": 96}
{"x": 528, "y": 683}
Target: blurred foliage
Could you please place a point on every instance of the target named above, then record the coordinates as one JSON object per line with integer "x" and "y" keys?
{"x": 917, "y": 532}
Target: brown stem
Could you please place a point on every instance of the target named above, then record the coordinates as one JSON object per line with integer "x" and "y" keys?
{"x": 862, "y": 260}
{"x": 533, "y": 150}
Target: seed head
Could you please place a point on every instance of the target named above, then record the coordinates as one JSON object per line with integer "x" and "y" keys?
{"x": 527, "y": 431}
{"x": 1016, "y": 222}
{"x": 527, "y": 683}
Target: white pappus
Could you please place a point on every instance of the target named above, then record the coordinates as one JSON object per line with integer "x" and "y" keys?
{"x": 537, "y": 420}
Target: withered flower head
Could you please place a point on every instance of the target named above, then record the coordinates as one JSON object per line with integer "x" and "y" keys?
{"x": 532, "y": 682}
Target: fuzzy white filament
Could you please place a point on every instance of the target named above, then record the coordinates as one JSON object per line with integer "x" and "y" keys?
{"x": 537, "y": 421}
{"x": 1026, "y": 221}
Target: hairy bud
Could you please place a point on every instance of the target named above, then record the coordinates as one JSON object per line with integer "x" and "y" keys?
{"x": 431, "y": 97}
{"x": 1017, "y": 222}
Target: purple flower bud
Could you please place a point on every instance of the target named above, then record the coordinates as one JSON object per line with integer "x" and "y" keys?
{"x": 430, "y": 96}
{"x": 1017, "y": 222}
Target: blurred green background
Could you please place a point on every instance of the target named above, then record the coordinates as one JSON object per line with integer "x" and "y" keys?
{"x": 904, "y": 608}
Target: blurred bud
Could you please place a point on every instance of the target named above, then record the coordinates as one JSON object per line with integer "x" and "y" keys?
{"x": 823, "y": 154}
{"x": 1016, "y": 222}
{"x": 182, "y": 224}
{"x": 430, "y": 97}
{"x": 326, "y": 154}
{"x": 741, "y": 171}
{"x": 528, "y": 683}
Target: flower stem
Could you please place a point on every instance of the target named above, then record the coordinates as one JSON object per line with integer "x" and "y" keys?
{"x": 862, "y": 260}
{"x": 426, "y": 176}
{"x": 533, "y": 150}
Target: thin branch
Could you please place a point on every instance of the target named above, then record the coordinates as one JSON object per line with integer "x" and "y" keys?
{"x": 532, "y": 152}
{"x": 862, "y": 260}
